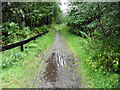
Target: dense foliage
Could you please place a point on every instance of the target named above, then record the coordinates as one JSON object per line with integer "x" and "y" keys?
{"x": 20, "y": 18}
{"x": 101, "y": 23}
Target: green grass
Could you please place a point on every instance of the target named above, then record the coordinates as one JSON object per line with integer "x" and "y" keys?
{"x": 91, "y": 76}
{"x": 20, "y": 68}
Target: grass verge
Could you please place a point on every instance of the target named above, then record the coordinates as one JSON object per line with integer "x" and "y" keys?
{"x": 91, "y": 76}
{"x": 20, "y": 68}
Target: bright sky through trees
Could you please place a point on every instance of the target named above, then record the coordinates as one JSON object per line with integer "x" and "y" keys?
{"x": 64, "y": 5}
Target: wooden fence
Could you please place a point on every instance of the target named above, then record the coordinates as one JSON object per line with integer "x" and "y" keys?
{"x": 21, "y": 43}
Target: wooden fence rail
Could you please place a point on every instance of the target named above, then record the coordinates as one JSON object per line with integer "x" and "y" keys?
{"x": 21, "y": 43}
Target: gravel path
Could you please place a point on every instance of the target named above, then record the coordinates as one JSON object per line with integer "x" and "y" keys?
{"x": 59, "y": 70}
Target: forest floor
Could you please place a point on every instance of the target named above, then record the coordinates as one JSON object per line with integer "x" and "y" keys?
{"x": 59, "y": 69}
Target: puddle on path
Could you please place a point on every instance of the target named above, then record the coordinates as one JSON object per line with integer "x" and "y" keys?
{"x": 58, "y": 72}
{"x": 51, "y": 69}
{"x": 53, "y": 65}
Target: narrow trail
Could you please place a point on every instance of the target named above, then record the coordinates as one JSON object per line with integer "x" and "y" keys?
{"x": 59, "y": 70}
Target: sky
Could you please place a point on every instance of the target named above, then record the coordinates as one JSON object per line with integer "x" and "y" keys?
{"x": 64, "y": 5}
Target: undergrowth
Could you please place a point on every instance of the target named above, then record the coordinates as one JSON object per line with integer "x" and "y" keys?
{"x": 12, "y": 32}
{"x": 20, "y": 68}
{"x": 92, "y": 75}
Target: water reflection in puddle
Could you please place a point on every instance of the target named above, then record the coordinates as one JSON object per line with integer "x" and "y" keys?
{"x": 59, "y": 72}
{"x": 53, "y": 64}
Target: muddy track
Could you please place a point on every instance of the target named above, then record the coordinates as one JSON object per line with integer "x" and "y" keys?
{"x": 59, "y": 70}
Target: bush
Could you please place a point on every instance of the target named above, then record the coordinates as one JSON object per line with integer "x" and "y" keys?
{"x": 37, "y": 30}
{"x": 12, "y": 60}
{"x": 10, "y": 31}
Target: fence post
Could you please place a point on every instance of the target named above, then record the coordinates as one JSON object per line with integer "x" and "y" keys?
{"x": 22, "y": 48}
